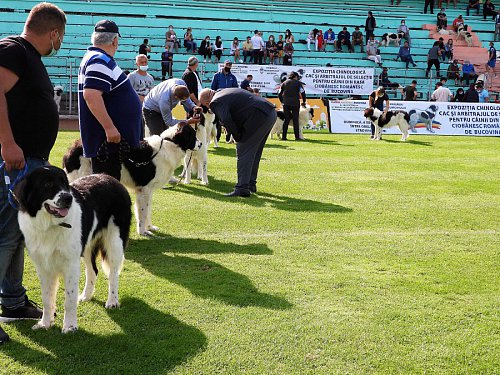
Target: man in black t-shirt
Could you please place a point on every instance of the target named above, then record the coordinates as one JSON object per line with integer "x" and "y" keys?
{"x": 29, "y": 122}
{"x": 376, "y": 100}
{"x": 290, "y": 93}
{"x": 144, "y": 48}
{"x": 410, "y": 92}
{"x": 192, "y": 79}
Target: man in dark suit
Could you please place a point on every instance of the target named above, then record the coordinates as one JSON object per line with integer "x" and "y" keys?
{"x": 290, "y": 93}
{"x": 249, "y": 119}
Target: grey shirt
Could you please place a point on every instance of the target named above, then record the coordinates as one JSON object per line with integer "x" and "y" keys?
{"x": 161, "y": 99}
{"x": 434, "y": 53}
{"x": 142, "y": 84}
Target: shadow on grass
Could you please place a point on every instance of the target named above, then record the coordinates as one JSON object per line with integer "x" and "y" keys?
{"x": 410, "y": 141}
{"x": 202, "y": 277}
{"x": 217, "y": 188}
{"x": 148, "y": 339}
{"x": 231, "y": 151}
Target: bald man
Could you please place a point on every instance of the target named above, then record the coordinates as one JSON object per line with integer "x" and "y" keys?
{"x": 249, "y": 119}
{"x": 161, "y": 100}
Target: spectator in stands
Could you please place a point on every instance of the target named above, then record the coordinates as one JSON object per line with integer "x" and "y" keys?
{"x": 288, "y": 54}
{"x": 218, "y": 48}
{"x": 206, "y": 49}
{"x": 410, "y": 92}
{"x": 141, "y": 80}
{"x": 405, "y": 55}
{"x": 321, "y": 41}
{"x": 109, "y": 110}
{"x": 459, "y": 95}
{"x": 489, "y": 10}
{"x": 384, "y": 80}
{"x": 258, "y": 48}
{"x": 376, "y": 100}
{"x": 280, "y": 45}
{"x": 29, "y": 122}
{"x": 167, "y": 62}
{"x": 442, "y": 20}
{"x": 289, "y": 38}
{"x": 497, "y": 27}
{"x": 145, "y": 48}
{"x": 289, "y": 95}
{"x": 427, "y": 4}
{"x": 189, "y": 42}
{"x": 245, "y": 84}
{"x": 473, "y": 4}
{"x": 448, "y": 50}
{"x": 312, "y": 38}
{"x": 235, "y": 50}
{"x": 492, "y": 59}
{"x": 372, "y": 50}
{"x": 370, "y": 25}
{"x": 397, "y": 3}
{"x": 344, "y": 39}
{"x": 224, "y": 78}
{"x": 405, "y": 30}
{"x": 457, "y": 22}
{"x": 271, "y": 50}
{"x": 256, "y": 92}
{"x": 483, "y": 94}
{"x": 357, "y": 39}
{"x": 248, "y": 50}
{"x": 442, "y": 49}
{"x": 192, "y": 79}
{"x": 433, "y": 59}
{"x": 171, "y": 39}
{"x": 158, "y": 105}
{"x": 249, "y": 119}
{"x": 454, "y": 3}
{"x": 468, "y": 72}
{"x": 453, "y": 72}
{"x": 329, "y": 38}
{"x": 441, "y": 94}
{"x": 471, "y": 95}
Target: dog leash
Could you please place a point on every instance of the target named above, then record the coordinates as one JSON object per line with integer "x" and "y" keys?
{"x": 142, "y": 163}
{"x": 13, "y": 201}
{"x": 123, "y": 151}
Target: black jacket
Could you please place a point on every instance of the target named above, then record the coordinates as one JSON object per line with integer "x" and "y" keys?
{"x": 290, "y": 92}
{"x": 235, "y": 108}
{"x": 471, "y": 96}
{"x": 191, "y": 78}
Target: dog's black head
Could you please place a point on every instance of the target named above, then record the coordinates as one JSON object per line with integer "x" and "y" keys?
{"x": 44, "y": 188}
{"x": 368, "y": 112}
{"x": 433, "y": 108}
{"x": 280, "y": 114}
{"x": 185, "y": 137}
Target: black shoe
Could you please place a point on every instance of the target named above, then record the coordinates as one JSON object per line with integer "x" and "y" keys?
{"x": 284, "y": 139}
{"x": 238, "y": 193}
{"x": 253, "y": 189}
{"x": 4, "y": 337}
{"x": 30, "y": 310}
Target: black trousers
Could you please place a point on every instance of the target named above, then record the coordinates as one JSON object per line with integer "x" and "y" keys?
{"x": 153, "y": 121}
{"x": 434, "y": 62}
{"x": 166, "y": 67}
{"x": 257, "y": 56}
{"x": 291, "y": 113}
{"x": 429, "y": 3}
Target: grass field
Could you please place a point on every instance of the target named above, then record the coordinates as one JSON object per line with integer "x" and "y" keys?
{"x": 355, "y": 257}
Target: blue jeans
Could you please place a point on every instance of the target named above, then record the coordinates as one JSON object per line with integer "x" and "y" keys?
{"x": 12, "y": 292}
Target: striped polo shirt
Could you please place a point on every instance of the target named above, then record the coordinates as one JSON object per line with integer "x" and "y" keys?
{"x": 99, "y": 71}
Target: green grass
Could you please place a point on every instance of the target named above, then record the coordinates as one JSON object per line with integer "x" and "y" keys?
{"x": 355, "y": 257}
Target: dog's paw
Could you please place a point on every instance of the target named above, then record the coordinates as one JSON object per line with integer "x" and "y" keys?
{"x": 70, "y": 328}
{"x": 112, "y": 305}
{"x": 147, "y": 233}
{"x": 153, "y": 228}
{"x": 84, "y": 297}
{"x": 41, "y": 325}
{"x": 203, "y": 182}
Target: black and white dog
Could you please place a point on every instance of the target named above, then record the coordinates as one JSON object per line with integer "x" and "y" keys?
{"x": 61, "y": 223}
{"x": 394, "y": 38}
{"x": 58, "y": 90}
{"x": 425, "y": 116}
{"x": 305, "y": 115}
{"x": 148, "y": 168}
{"x": 392, "y": 119}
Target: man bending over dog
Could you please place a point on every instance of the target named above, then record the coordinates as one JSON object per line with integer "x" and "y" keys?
{"x": 109, "y": 109}
{"x": 249, "y": 119}
{"x": 29, "y": 122}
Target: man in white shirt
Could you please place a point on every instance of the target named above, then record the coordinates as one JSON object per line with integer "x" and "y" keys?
{"x": 258, "y": 47}
{"x": 441, "y": 94}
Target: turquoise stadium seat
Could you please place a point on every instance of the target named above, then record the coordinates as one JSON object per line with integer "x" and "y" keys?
{"x": 230, "y": 19}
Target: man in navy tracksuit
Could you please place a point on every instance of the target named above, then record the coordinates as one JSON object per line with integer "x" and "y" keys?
{"x": 224, "y": 80}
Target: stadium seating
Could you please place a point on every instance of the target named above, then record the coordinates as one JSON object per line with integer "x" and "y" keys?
{"x": 150, "y": 19}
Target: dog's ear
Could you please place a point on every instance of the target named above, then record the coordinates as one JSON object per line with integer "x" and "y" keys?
{"x": 21, "y": 194}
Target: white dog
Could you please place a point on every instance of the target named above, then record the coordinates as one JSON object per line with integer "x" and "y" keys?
{"x": 463, "y": 33}
{"x": 60, "y": 223}
{"x": 148, "y": 168}
{"x": 305, "y": 115}
{"x": 392, "y": 119}
{"x": 425, "y": 116}
{"x": 58, "y": 90}
{"x": 389, "y": 38}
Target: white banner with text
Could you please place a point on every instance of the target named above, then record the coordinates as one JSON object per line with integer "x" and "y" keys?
{"x": 317, "y": 80}
{"x": 438, "y": 118}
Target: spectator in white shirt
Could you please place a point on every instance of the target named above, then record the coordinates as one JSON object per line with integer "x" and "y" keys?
{"x": 258, "y": 47}
{"x": 441, "y": 94}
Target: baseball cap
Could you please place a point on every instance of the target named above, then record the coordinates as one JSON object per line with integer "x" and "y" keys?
{"x": 106, "y": 26}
